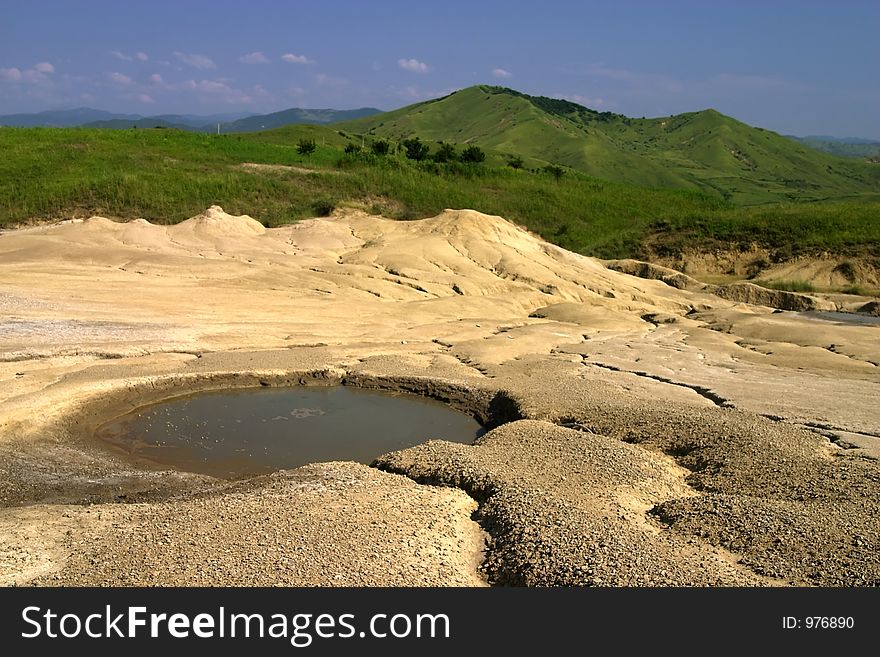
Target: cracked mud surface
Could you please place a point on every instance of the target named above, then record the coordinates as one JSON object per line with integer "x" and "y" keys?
{"x": 646, "y": 435}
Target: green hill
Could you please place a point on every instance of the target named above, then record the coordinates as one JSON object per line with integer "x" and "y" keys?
{"x": 698, "y": 150}
{"x": 294, "y": 115}
{"x": 126, "y": 124}
{"x": 289, "y": 135}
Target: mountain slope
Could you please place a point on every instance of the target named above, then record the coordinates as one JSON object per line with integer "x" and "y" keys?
{"x": 295, "y": 115}
{"x": 702, "y": 150}
{"x": 125, "y": 124}
{"x": 63, "y": 118}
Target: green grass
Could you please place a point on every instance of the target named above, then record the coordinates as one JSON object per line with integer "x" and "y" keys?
{"x": 167, "y": 176}
{"x": 841, "y": 227}
{"x": 788, "y": 286}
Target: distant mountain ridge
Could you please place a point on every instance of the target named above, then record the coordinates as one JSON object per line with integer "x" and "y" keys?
{"x": 296, "y": 115}
{"x": 703, "y": 150}
{"x": 230, "y": 122}
{"x": 64, "y": 118}
{"x": 841, "y": 146}
{"x": 840, "y": 140}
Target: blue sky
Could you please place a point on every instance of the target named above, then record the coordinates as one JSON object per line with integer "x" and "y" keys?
{"x": 793, "y": 67}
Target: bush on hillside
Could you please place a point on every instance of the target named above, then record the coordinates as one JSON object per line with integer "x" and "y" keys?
{"x": 380, "y": 147}
{"x": 305, "y": 146}
{"x": 556, "y": 171}
{"x": 473, "y": 155}
{"x": 415, "y": 149}
{"x": 445, "y": 152}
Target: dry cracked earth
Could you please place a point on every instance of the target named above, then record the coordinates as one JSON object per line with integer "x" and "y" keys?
{"x": 643, "y": 432}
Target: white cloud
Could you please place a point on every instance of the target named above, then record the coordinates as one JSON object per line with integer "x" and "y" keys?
{"x": 140, "y": 56}
{"x": 145, "y": 98}
{"x": 413, "y": 65}
{"x": 119, "y": 78}
{"x": 34, "y": 76}
{"x": 11, "y": 74}
{"x": 254, "y": 58}
{"x": 329, "y": 81}
{"x": 218, "y": 90}
{"x": 501, "y": 74}
{"x": 155, "y": 78}
{"x": 200, "y": 62}
{"x": 290, "y": 58}
{"x": 208, "y": 86}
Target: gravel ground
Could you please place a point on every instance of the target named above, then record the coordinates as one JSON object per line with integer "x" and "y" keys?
{"x": 313, "y": 526}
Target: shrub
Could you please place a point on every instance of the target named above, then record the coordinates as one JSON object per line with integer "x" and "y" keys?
{"x": 445, "y": 153}
{"x": 473, "y": 155}
{"x": 556, "y": 171}
{"x": 846, "y": 269}
{"x": 515, "y": 161}
{"x": 323, "y": 207}
{"x": 305, "y": 146}
{"x": 352, "y": 148}
{"x": 415, "y": 149}
{"x": 380, "y": 147}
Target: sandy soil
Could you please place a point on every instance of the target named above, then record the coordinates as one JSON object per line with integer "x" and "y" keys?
{"x": 646, "y": 434}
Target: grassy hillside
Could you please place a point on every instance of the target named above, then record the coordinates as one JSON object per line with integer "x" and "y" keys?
{"x": 127, "y": 124}
{"x": 704, "y": 150}
{"x": 295, "y": 116}
{"x": 167, "y": 176}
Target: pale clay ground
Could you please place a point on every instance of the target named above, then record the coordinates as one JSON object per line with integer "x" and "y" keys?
{"x": 655, "y": 436}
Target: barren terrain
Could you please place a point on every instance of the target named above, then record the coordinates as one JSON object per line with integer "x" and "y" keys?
{"x": 644, "y": 433}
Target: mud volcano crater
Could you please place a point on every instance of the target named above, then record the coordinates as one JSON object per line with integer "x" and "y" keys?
{"x": 244, "y": 432}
